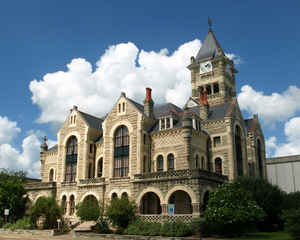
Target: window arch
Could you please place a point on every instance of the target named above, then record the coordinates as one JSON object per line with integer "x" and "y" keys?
{"x": 114, "y": 196}
{"x": 170, "y": 162}
{"x": 124, "y": 195}
{"x": 51, "y": 175}
{"x": 121, "y": 152}
{"x": 238, "y": 151}
{"x": 100, "y": 167}
{"x": 72, "y": 205}
{"x": 218, "y": 165}
{"x": 160, "y": 163}
{"x": 64, "y": 204}
{"x": 71, "y": 159}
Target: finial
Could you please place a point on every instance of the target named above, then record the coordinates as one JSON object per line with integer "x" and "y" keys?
{"x": 209, "y": 23}
{"x": 45, "y": 139}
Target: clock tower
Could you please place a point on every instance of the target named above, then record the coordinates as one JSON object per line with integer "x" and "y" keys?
{"x": 213, "y": 72}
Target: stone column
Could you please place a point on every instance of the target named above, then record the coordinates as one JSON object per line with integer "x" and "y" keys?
{"x": 164, "y": 209}
{"x": 196, "y": 209}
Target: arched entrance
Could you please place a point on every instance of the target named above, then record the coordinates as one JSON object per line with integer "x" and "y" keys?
{"x": 182, "y": 201}
{"x": 150, "y": 204}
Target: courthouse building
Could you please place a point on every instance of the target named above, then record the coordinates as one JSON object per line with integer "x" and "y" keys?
{"x": 157, "y": 154}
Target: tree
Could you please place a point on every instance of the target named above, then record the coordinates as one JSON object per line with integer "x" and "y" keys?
{"x": 12, "y": 193}
{"x": 46, "y": 207}
{"x": 267, "y": 196}
{"x": 231, "y": 210}
{"x": 121, "y": 212}
{"x": 89, "y": 209}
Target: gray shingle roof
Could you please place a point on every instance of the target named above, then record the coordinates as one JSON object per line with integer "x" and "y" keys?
{"x": 92, "y": 121}
{"x": 140, "y": 107}
{"x": 209, "y": 48}
{"x": 166, "y": 109}
{"x": 215, "y": 112}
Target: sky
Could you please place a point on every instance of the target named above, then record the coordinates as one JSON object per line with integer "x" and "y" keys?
{"x": 56, "y": 54}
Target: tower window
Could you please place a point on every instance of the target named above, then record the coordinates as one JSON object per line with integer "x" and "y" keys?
{"x": 121, "y": 152}
{"x": 160, "y": 163}
{"x": 170, "y": 162}
{"x": 216, "y": 87}
{"x": 71, "y": 160}
{"x": 217, "y": 141}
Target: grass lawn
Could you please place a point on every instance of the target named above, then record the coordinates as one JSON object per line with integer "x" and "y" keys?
{"x": 263, "y": 236}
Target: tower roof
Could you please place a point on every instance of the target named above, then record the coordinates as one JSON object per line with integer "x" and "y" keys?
{"x": 210, "y": 48}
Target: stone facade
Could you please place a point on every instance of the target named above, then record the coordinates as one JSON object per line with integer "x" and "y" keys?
{"x": 157, "y": 154}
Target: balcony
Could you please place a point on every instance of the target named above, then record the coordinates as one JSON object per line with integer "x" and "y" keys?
{"x": 181, "y": 174}
{"x": 91, "y": 181}
{"x": 40, "y": 185}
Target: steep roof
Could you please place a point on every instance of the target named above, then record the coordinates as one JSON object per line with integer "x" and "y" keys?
{"x": 166, "y": 109}
{"x": 249, "y": 124}
{"x": 92, "y": 121}
{"x": 210, "y": 47}
{"x": 215, "y": 112}
{"x": 140, "y": 107}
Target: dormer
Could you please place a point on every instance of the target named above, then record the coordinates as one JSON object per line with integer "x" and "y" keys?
{"x": 121, "y": 107}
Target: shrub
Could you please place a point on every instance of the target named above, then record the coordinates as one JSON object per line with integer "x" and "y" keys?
{"x": 176, "y": 228}
{"x": 292, "y": 222}
{"x": 231, "y": 210}
{"x": 47, "y": 207}
{"x": 292, "y": 201}
{"x": 23, "y": 223}
{"x": 88, "y": 210}
{"x": 121, "y": 212}
{"x": 101, "y": 227}
{"x": 267, "y": 196}
{"x": 143, "y": 228}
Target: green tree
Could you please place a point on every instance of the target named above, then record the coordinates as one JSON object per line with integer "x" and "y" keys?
{"x": 12, "y": 193}
{"x": 267, "y": 196}
{"x": 231, "y": 210}
{"x": 89, "y": 209}
{"x": 48, "y": 208}
{"x": 121, "y": 212}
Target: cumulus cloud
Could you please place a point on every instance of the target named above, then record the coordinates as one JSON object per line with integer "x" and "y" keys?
{"x": 277, "y": 107}
{"x": 28, "y": 158}
{"x": 123, "y": 67}
{"x": 8, "y": 130}
{"x": 235, "y": 58}
{"x": 291, "y": 146}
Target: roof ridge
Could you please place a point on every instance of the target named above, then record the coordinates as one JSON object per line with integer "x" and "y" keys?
{"x": 91, "y": 115}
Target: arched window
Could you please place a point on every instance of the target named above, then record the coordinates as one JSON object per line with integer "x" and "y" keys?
{"x": 259, "y": 159}
{"x": 51, "y": 175}
{"x": 64, "y": 204}
{"x": 238, "y": 151}
{"x": 72, "y": 205}
{"x": 170, "y": 162}
{"x": 197, "y": 165}
{"x": 218, "y": 165}
{"x": 114, "y": 196}
{"x": 71, "y": 160}
{"x": 160, "y": 163}
{"x": 202, "y": 163}
{"x": 100, "y": 167}
{"x": 121, "y": 152}
{"x": 124, "y": 195}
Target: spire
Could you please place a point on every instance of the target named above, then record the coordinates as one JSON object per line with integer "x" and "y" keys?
{"x": 210, "y": 48}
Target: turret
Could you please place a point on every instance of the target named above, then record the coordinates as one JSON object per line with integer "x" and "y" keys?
{"x": 44, "y": 146}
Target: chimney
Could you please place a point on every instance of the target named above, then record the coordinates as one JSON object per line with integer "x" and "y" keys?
{"x": 204, "y": 107}
{"x": 148, "y": 104}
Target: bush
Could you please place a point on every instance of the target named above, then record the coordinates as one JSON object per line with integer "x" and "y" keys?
{"x": 23, "y": 223}
{"x": 267, "y": 196}
{"x": 143, "y": 228}
{"x": 88, "y": 210}
{"x": 121, "y": 212}
{"x": 177, "y": 229}
{"x": 47, "y": 207}
{"x": 292, "y": 201}
{"x": 101, "y": 227}
{"x": 292, "y": 222}
{"x": 231, "y": 210}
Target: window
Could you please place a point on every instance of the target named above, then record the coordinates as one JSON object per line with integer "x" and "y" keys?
{"x": 74, "y": 119}
{"x": 238, "y": 151}
{"x": 202, "y": 163}
{"x": 208, "y": 89}
{"x": 64, "y": 204}
{"x": 71, "y": 160}
{"x": 170, "y": 162}
{"x": 100, "y": 167}
{"x": 162, "y": 124}
{"x": 72, "y": 205}
{"x": 145, "y": 138}
{"x": 197, "y": 161}
{"x": 71, "y": 119}
{"x": 168, "y": 125}
{"x": 114, "y": 196}
{"x": 51, "y": 175}
{"x": 218, "y": 165}
{"x": 145, "y": 164}
{"x": 91, "y": 148}
{"x": 217, "y": 141}
{"x": 216, "y": 87}
{"x": 121, "y": 152}
{"x": 90, "y": 170}
{"x": 124, "y": 195}
{"x": 119, "y": 107}
{"x": 123, "y": 107}
{"x": 160, "y": 163}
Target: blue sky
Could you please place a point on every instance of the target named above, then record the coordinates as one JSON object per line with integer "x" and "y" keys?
{"x": 41, "y": 37}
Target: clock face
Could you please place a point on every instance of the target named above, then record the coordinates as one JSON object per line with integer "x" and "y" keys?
{"x": 205, "y": 67}
{"x": 228, "y": 69}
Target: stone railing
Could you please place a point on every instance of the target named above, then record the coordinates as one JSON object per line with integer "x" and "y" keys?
{"x": 186, "y": 173}
{"x": 40, "y": 185}
{"x": 162, "y": 218}
{"x": 92, "y": 181}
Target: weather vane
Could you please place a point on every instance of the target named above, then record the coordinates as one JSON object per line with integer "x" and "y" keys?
{"x": 209, "y": 23}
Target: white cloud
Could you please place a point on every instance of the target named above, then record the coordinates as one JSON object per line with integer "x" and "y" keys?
{"x": 123, "y": 67}
{"x": 270, "y": 108}
{"x": 8, "y": 130}
{"x": 291, "y": 146}
{"x": 235, "y": 58}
